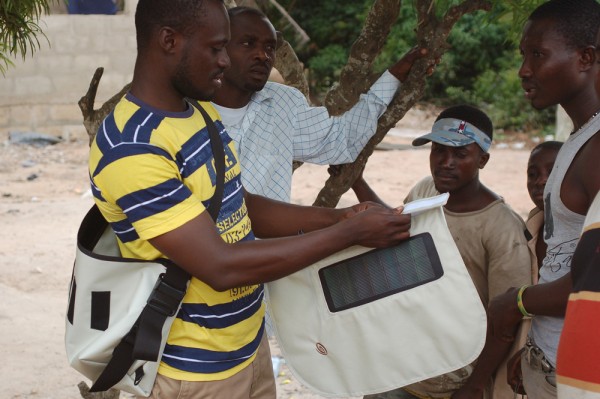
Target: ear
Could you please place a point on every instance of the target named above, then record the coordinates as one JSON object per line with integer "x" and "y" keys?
{"x": 483, "y": 159}
{"x": 169, "y": 39}
{"x": 588, "y": 57}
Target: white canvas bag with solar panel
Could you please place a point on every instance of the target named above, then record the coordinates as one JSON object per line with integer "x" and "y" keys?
{"x": 365, "y": 321}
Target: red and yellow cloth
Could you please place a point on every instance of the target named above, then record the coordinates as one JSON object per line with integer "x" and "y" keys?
{"x": 578, "y": 362}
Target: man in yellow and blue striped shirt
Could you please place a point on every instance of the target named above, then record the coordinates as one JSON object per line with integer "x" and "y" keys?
{"x": 171, "y": 156}
{"x": 153, "y": 176}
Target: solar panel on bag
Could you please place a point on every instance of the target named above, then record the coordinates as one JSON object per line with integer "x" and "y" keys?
{"x": 380, "y": 273}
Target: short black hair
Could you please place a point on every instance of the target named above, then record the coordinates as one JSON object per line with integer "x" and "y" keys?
{"x": 235, "y": 11}
{"x": 547, "y": 145}
{"x": 181, "y": 15}
{"x": 473, "y": 115}
{"x": 578, "y": 21}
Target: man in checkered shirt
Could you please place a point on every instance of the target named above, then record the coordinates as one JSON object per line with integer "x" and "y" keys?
{"x": 273, "y": 124}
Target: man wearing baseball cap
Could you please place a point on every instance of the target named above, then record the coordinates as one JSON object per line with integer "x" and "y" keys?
{"x": 488, "y": 233}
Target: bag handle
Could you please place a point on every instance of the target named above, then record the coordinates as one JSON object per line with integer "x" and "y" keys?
{"x": 143, "y": 341}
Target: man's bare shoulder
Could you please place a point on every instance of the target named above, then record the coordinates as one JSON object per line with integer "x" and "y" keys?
{"x": 583, "y": 178}
{"x": 587, "y": 160}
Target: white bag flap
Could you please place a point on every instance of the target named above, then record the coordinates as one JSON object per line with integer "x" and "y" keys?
{"x": 352, "y": 346}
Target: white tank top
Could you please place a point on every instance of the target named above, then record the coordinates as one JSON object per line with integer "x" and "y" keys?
{"x": 562, "y": 228}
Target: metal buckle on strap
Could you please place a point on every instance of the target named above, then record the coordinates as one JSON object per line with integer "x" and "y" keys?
{"x": 545, "y": 364}
{"x": 536, "y": 357}
{"x": 165, "y": 299}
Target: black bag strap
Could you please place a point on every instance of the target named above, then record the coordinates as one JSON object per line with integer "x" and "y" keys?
{"x": 146, "y": 332}
{"x": 143, "y": 341}
{"x": 216, "y": 145}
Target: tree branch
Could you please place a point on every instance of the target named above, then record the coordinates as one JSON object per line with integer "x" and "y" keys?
{"x": 301, "y": 35}
{"x": 290, "y": 67}
{"x": 93, "y": 118}
{"x": 355, "y": 77}
{"x": 431, "y": 33}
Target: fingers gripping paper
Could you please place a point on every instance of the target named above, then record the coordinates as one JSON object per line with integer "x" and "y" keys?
{"x": 365, "y": 321}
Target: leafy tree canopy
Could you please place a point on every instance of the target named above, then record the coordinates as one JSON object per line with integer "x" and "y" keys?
{"x": 19, "y": 31}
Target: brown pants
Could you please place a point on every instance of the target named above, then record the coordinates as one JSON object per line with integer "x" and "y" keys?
{"x": 254, "y": 382}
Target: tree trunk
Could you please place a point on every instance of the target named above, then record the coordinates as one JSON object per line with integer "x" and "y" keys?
{"x": 431, "y": 33}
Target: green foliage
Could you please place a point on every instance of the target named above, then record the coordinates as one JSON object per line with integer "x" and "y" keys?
{"x": 401, "y": 38}
{"x": 332, "y": 26}
{"x": 325, "y": 67}
{"x": 499, "y": 94}
{"x": 514, "y": 11}
{"x": 19, "y": 30}
{"x": 475, "y": 48}
{"x": 328, "y": 22}
{"x": 480, "y": 68}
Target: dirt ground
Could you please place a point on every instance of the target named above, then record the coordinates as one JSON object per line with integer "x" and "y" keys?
{"x": 43, "y": 197}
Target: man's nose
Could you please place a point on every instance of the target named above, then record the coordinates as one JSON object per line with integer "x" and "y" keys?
{"x": 224, "y": 60}
{"x": 524, "y": 70}
{"x": 262, "y": 54}
{"x": 447, "y": 160}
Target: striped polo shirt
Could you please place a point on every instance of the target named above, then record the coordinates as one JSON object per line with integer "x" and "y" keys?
{"x": 151, "y": 172}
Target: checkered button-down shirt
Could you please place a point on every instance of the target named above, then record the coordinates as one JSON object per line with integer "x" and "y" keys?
{"x": 280, "y": 127}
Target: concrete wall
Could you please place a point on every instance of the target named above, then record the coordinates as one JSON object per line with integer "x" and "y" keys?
{"x": 40, "y": 93}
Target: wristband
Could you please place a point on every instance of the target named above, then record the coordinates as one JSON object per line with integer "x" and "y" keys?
{"x": 524, "y": 312}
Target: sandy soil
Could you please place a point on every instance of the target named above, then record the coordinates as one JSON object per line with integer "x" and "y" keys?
{"x": 43, "y": 198}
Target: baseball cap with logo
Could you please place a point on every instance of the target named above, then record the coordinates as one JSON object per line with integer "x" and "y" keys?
{"x": 454, "y": 132}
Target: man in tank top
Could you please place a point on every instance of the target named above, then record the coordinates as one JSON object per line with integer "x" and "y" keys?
{"x": 560, "y": 66}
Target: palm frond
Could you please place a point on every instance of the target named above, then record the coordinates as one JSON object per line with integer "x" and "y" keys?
{"x": 19, "y": 29}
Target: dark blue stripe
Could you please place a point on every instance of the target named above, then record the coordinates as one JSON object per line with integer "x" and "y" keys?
{"x": 108, "y": 130}
{"x": 124, "y": 150}
{"x": 231, "y": 186}
{"x": 188, "y": 311}
{"x": 125, "y": 231}
{"x": 188, "y": 163}
{"x": 233, "y": 204}
{"x": 135, "y": 124}
{"x": 230, "y": 162}
{"x": 95, "y": 191}
{"x": 167, "y": 114}
{"x": 222, "y": 131}
{"x": 205, "y": 156}
{"x": 249, "y": 237}
{"x": 158, "y": 204}
{"x": 210, "y": 361}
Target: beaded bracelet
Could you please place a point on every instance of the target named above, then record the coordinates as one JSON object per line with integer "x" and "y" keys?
{"x": 524, "y": 312}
